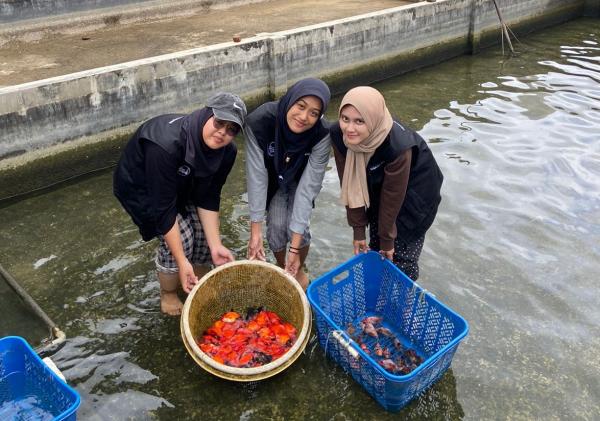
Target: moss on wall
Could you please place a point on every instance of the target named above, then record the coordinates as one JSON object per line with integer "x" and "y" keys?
{"x": 28, "y": 175}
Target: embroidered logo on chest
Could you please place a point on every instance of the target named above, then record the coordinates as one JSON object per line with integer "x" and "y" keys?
{"x": 183, "y": 171}
{"x": 374, "y": 167}
{"x": 271, "y": 149}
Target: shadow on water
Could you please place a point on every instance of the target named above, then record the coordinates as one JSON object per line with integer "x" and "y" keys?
{"x": 514, "y": 250}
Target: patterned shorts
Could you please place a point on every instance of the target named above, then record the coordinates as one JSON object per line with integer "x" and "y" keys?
{"x": 406, "y": 256}
{"x": 193, "y": 240}
{"x": 278, "y": 221}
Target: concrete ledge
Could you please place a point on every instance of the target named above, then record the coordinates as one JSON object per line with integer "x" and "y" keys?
{"x": 93, "y": 104}
{"x": 24, "y": 15}
{"x": 43, "y": 113}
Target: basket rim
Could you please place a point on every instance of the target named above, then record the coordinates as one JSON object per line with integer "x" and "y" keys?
{"x": 252, "y": 371}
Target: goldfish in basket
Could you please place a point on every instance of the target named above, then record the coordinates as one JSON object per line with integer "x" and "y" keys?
{"x": 256, "y": 339}
{"x": 383, "y": 345}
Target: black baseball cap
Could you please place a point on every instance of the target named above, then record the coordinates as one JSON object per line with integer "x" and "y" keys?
{"x": 229, "y": 107}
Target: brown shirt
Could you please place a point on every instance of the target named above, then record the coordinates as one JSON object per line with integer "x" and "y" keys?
{"x": 393, "y": 191}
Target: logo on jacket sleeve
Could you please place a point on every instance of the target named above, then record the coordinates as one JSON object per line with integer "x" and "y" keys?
{"x": 183, "y": 171}
{"x": 271, "y": 149}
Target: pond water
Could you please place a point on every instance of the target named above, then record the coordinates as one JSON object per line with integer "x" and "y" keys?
{"x": 515, "y": 250}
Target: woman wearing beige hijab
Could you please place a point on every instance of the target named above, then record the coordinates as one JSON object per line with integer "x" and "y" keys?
{"x": 389, "y": 179}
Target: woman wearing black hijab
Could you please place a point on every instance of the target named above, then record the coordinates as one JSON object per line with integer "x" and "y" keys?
{"x": 287, "y": 150}
{"x": 169, "y": 180}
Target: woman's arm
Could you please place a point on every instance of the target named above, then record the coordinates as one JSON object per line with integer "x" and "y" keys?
{"x": 357, "y": 217}
{"x": 310, "y": 185}
{"x": 187, "y": 277}
{"x": 257, "y": 178}
{"x": 393, "y": 192}
{"x": 257, "y": 181}
{"x": 210, "y": 224}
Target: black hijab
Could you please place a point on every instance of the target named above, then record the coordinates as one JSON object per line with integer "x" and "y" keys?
{"x": 292, "y": 145}
{"x": 206, "y": 161}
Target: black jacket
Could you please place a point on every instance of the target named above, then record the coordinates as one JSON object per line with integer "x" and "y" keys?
{"x": 424, "y": 184}
{"x": 160, "y": 172}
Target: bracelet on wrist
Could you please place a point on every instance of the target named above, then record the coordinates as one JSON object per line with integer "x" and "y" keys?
{"x": 290, "y": 250}
{"x": 295, "y": 248}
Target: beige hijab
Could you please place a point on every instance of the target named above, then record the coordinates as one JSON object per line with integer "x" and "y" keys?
{"x": 371, "y": 105}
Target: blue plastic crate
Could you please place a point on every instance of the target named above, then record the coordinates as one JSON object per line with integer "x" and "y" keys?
{"x": 29, "y": 389}
{"x": 368, "y": 285}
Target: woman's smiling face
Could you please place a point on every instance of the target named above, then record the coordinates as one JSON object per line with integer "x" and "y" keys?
{"x": 304, "y": 114}
{"x": 218, "y": 134}
{"x": 353, "y": 125}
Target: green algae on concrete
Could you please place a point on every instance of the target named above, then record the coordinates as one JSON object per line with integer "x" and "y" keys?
{"x": 30, "y": 173}
{"x": 386, "y": 68}
{"x": 57, "y": 166}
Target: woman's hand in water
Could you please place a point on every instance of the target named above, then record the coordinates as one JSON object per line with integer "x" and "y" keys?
{"x": 360, "y": 246}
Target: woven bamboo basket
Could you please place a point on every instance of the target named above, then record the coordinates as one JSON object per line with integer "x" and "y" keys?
{"x": 237, "y": 286}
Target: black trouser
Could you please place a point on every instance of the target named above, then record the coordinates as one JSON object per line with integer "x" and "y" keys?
{"x": 406, "y": 256}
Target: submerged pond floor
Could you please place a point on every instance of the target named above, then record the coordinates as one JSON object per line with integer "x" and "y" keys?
{"x": 514, "y": 250}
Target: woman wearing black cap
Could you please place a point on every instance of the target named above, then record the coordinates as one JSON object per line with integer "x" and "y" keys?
{"x": 169, "y": 180}
{"x": 287, "y": 150}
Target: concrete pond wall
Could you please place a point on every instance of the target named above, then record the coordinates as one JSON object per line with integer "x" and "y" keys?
{"x": 21, "y": 11}
{"x": 46, "y": 118}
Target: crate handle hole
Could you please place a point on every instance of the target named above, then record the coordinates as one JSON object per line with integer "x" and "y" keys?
{"x": 340, "y": 277}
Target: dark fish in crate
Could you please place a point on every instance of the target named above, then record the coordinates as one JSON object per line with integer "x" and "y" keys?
{"x": 386, "y": 353}
{"x": 389, "y": 365}
{"x": 369, "y": 329}
{"x": 402, "y": 368}
{"x": 413, "y": 357}
{"x": 374, "y": 320}
{"x": 385, "y": 332}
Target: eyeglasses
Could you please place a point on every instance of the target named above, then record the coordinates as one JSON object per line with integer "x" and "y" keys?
{"x": 231, "y": 129}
